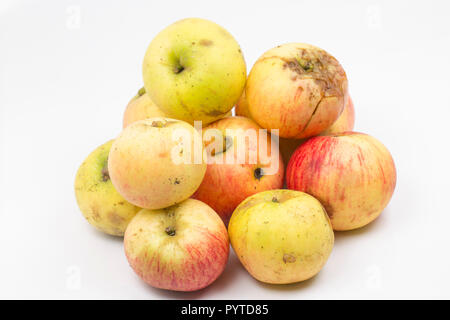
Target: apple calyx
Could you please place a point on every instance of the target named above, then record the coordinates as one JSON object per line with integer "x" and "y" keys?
{"x": 158, "y": 124}
{"x": 170, "y": 231}
{"x": 105, "y": 172}
{"x": 141, "y": 92}
{"x": 178, "y": 67}
{"x": 258, "y": 173}
{"x": 275, "y": 199}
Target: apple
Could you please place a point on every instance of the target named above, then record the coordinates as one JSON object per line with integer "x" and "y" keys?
{"x": 194, "y": 70}
{"x": 297, "y": 88}
{"x": 100, "y": 203}
{"x": 142, "y": 107}
{"x": 352, "y": 174}
{"x": 281, "y": 236}
{"x": 229, "y": 181}
{"x": 183, "y": 248}
{"x": 346, "y": 120}
{"x": 144, "y": 167}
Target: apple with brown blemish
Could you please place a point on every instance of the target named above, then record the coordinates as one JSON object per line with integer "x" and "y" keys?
{"x": 297, "y": 88}
{"x": 153, "y": 163}
{"x": 238, "y": 167}
{"x": 183, "y": 248}
{"x": 352, "y": 174}
{"x": 281, "y": 236}
{"x": 101, "y": 204}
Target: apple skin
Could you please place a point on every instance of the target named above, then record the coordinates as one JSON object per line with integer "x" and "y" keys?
{"x": 297, "y": 88}
{"x": 101, "y": 204}
{"x": 352, "y": 174}
{"x": 242, "y": 107}
{"x": 345, "y": 122}
{"x": 281, "y": 236}
{"x": 142, "y": 107}
{"x": 142, "y": 169}
{"x": 226, "y": 185}
{"x": 194, "y": 70}
{"x": 183, "y": 248}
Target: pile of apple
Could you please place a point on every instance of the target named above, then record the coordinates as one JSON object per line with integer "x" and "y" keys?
{"x": 162, "y": 183}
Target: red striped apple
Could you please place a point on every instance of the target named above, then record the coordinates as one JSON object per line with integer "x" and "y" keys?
{"x": 352, "y": 174}
{"x": 297, "y": 88}
{"x": 227, "y": 183}
{"x": 183, "y": 248}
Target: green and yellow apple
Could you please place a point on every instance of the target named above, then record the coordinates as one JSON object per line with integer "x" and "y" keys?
{"x": 229, "y": 181}
{"x": 281, "y": 236}
{"x": 194, "y": 70}
{"x": 352, "y": 174}
{"x": 345, "y": 122}
{"x": 102, "y": 206}
{"x": 297, "y": 88}
{"x": 183, "y": 248}
{"x": 157, "y": 162}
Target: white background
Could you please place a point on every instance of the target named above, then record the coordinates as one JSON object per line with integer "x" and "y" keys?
{"x": 68, "y": 69}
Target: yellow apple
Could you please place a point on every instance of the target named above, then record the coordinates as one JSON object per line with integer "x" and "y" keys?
{"x": 281, "y": 236}
{"x": 227, "y": 184}
{"x": 102, "y": 206}
{"x": 194, "y": 70}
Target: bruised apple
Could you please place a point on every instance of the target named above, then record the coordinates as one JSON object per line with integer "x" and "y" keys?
{"x": 297, "y": 88}
{"x": 352, "y": 174}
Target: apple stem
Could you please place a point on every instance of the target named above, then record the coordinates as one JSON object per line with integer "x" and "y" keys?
{"x": 258, "y": 173}
{"x": 170, "y": 231}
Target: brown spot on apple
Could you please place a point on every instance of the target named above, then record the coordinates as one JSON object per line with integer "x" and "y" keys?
{"x": 206, "y": 42}
{"x": 288, "y": 258}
